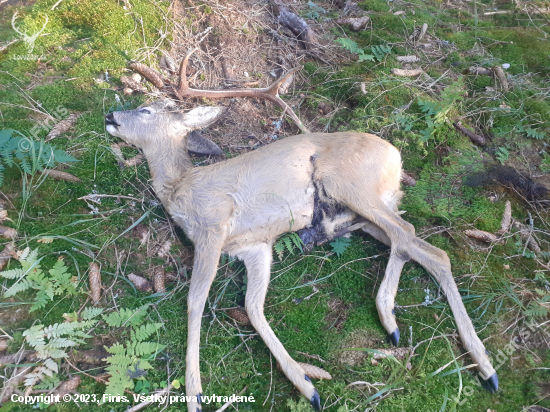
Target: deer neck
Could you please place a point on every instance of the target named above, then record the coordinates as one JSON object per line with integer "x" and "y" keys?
{"x": 168, "y": 163}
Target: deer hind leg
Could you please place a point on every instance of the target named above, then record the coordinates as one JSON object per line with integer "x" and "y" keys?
{"x": 258, "y": 265}
{"x": 405, "y": 245}
{"x": 207, "y": 256}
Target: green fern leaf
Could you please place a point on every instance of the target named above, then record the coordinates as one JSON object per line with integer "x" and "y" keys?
{"x": 340, "y": 245}
{"x": 91, "y": 312}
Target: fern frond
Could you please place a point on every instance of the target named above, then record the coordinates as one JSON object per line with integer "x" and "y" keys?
{"x": 91, "y": 312}
{"x": 144, "y": 331}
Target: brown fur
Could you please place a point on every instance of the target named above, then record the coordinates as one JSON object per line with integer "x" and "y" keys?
{"x": 240, "y": 206}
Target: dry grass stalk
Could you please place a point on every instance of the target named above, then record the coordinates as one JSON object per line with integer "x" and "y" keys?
{"x": 58, "y": 175}
{"x": 506, "y": 221}
{"x": 115, "y": 148}
{"x": 8, "y": 232}
{"x": 481, "y": 235}
{"x": 63, "y": 126}
{"x": 17, "y": 358}
{"x": 406, "y": 72}
{"x": 158, "y": 279}
{"x": 10, "y": 386}
{"x": 474, "y": 137}
{"x": 407, "y": 179}
{"x": 95, "y": 282}
{"x": 141, "y": 284}
{"x": 239, "y": 315}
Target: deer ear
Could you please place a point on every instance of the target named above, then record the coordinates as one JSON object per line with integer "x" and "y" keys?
{"x": 162, "y": 104}
{"x": 202, "y": 116}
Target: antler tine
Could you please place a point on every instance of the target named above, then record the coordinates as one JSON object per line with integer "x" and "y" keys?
{"x": 14, "y": 17}
{"x": 183, "y": 85}
{"x": 270, "y": 93}
{"x": 45, "y": 23}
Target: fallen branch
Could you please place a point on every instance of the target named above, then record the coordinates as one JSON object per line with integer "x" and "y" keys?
{"x": 475, "y": 138}
{"x": 295, "y": 23}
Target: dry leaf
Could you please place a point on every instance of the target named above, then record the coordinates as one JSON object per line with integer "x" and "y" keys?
{"x": 4, "y": 216}
{"x": 481, "y": 235}
{"x": 134, "y": 161}
{"x": 8, "y": 232}
{"x": 95, "y": 282}
{"x": 62, "y": 126}
{"x": 3, "y": 345}
{"x": 164, "y": 250}
{"x": 239, "y": 315}
{"x": 8, "y": 252}
{"x": 141, "y": 284}
{"x": 158, "y": 279}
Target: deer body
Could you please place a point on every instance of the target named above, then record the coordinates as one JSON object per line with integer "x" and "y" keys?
{"x": 318, "y": 184}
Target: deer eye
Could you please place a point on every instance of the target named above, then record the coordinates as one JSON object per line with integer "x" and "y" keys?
{"x": 145, "y": 111}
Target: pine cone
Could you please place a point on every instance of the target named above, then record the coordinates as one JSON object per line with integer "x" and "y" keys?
{"x": 418, "y": 32}
{"x": 481, "y": 235}
{"x": 506, "y": 221}
{"x": 158, "y": 279}
{"x": 407, "y": 180}
{"x": 62, "y": 126}
{"x": 141, "y": 284}
{"x": 315, "y": 372}
{"x": 407, "y": 59}
{"x": 239, "y": 315}
{"x": 406, "y": 73}
{"x": 149, "y": 74}
{"x": 132, "y": 84}
{"x": 57, "y": 175}
{"x": 95, "y": 282}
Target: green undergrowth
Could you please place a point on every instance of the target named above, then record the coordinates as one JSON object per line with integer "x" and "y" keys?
{"x": 319, "y": 302}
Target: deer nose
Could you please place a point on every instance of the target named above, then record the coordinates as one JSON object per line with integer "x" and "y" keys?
{"x": 110, "y": 119}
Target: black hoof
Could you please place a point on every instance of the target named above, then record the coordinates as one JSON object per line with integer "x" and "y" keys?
{"x": 199, "y": 398}
{"x": 394, "y": 337}
{"x": 492, "y": 383}
{"x": 316, "y": 400}
{"x": 199, "y": 410}
{"x": 307, "y": 378}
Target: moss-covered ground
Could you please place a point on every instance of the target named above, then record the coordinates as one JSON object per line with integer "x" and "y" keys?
{"x": 88, "y": 38}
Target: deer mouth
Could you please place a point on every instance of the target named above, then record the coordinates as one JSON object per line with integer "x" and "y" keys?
{"x": 110, "y": 120}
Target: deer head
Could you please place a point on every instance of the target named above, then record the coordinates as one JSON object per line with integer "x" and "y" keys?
{"x": 160, "y": 122}
{"x": 29, "y": 40}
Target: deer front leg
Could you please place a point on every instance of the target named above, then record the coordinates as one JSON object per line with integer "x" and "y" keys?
{"x": 207, "y": 256}
{"x": 258, "y": 265}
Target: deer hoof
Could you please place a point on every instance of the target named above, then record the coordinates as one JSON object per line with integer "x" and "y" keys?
{"x": 199, "y": 399}
{"x": 316, "y": 400}
{"x": 394, "y": 337}
{"x": 492, "y": 383}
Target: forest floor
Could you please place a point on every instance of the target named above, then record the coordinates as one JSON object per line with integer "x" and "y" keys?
{"x": 320, "y": 304}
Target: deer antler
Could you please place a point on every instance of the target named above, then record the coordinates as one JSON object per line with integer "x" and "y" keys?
{"x": 270, "y": 93}
{"x": 44, "y": 26}
{"x": 13, "y": 25}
